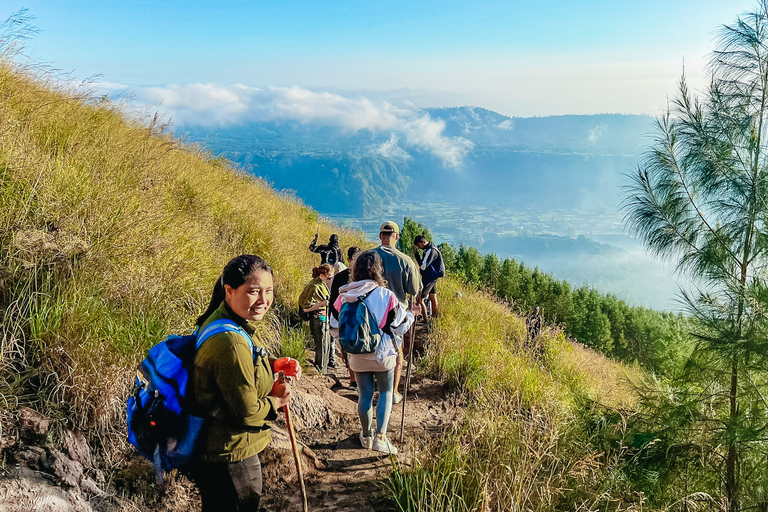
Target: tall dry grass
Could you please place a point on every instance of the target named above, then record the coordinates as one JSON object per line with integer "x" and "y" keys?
{"x": 529, "y": 441}
{"x": 112, "y": 235}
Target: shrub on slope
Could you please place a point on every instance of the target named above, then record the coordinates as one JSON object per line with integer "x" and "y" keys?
{"x": 111, "y": 236}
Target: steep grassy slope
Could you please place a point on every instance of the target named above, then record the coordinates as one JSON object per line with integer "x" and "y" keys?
{"x": 111, "y": 236}
{"x": 545, "y": 422}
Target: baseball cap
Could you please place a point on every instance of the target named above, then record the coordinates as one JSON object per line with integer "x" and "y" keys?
{"x": 389, "y": 227}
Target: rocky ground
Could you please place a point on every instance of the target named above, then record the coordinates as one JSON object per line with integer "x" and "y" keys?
{"x": 339, "y": 474}
{"x": 345, "y": 478}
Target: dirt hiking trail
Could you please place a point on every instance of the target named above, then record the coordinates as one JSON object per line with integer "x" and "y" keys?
{"x": 348, "y": 476}
{"x": 339, "y": 474}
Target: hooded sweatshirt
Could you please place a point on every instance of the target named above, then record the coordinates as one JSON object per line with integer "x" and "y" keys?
{"x": 390, "y": 316}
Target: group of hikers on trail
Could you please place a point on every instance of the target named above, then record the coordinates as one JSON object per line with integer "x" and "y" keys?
{"x": 204, "y": 402}
{"x": 378, "y": 282}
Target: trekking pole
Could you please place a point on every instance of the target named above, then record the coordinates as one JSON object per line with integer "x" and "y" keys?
{"x": 328, "y": 335}
{"x": 407, "y": 379}
{"x": 294, "y": 447}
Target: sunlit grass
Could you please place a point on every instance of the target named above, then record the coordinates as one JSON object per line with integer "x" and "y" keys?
{"x": 525, "y": 442}
{"x": 112, "y": 236}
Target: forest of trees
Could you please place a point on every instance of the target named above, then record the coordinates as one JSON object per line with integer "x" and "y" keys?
{"x": 656, "y": 340}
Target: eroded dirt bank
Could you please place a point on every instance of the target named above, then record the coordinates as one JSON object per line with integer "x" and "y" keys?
{"x": 339, "y": 474}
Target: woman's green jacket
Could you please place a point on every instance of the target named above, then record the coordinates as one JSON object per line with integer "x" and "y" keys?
{"x": 231, "y": 388}
{"x": 314, "y": 291}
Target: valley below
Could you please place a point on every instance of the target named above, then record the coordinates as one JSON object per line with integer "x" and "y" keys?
{"x": 544, "y": 191}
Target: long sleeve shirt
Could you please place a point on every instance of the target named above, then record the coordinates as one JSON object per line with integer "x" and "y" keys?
{"x": 430, "y": 254}
{"x": 231, "y": 388}
{"x": 328, "y": 253}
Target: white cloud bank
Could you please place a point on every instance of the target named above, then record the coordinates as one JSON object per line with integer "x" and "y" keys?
{"x": 221, "y": 105}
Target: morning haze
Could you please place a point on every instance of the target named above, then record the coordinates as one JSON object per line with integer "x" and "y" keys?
{"x": 351, "y": 107}
{"x": 542, "y": 190}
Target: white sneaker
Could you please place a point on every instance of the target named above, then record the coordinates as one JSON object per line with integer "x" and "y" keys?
{"x": 366, "y": 442}
{"x": 397, "y": 398}
{"x": 382, "y": 444}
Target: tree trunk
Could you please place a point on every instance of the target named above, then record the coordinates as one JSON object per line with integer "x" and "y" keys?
{"x": 731, "y": 461}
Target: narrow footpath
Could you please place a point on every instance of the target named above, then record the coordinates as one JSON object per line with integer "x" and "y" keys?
{"x": 350, "y": 478}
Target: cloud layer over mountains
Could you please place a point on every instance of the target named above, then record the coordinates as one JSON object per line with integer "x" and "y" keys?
{"x": 217, "y": 105}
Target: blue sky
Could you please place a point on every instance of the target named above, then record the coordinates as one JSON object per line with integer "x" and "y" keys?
{"x": 517, "y": 58}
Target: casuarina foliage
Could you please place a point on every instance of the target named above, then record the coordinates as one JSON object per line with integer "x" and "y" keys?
{"x": 700, "y": 199}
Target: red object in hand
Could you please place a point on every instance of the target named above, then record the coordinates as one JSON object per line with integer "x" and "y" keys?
{"x": 278, "y": 389}
{"x": 289, "y": 366}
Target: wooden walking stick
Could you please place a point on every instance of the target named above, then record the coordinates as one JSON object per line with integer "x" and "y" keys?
{"x": 294, "y": 447}
{"x": 407, "y": 379}
{"x": 327, "y": 341}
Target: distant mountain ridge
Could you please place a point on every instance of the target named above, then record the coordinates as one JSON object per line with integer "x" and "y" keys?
{"x": 345, "y": 172}
{"x": 590, "y": 134}
{"x": 524, "y": 188}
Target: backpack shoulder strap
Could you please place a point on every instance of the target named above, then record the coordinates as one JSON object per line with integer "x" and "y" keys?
{"x": 219, "y": 326}
{"x": 361, "y": 298}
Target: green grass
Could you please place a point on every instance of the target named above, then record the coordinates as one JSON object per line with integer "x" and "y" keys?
{"x": 293, "y": 343}
{"x": 525, "y": 443}
{"x": 111, "y": 237}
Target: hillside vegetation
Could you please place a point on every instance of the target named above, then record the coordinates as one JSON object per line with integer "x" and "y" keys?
{"x": 112, "y": 235}
{"x": 658, "y": 341}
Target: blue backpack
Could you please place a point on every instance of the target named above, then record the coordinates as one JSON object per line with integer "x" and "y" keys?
{"x": 359, "y": 332}
{"x": 160, "y": 424}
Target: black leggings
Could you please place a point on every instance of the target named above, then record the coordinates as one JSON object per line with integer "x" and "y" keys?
{"x": 233, "y": 486}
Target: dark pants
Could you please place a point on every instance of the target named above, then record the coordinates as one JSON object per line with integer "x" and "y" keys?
{"x": 233, "y": 486}
{"x": 319, "y": 331}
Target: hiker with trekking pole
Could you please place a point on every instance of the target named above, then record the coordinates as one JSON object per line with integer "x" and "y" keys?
{"x": 372, "y": 322}
{"x": 234, "y": 388}
{"x": 402, "y": 276}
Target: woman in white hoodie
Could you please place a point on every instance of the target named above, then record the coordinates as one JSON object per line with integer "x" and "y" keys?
{"x": 367, "y": 279}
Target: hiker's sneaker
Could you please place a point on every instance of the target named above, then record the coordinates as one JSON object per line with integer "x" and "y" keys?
{"x": 332, "y": 364}
{"x": 397, "y": 398}
{"x": 365, "y": 442}
{"x": 353, "y": 386}
{"x": 382, "y": 444}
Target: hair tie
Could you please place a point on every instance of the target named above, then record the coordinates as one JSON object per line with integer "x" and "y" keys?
{"x": 222, "y": 280}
